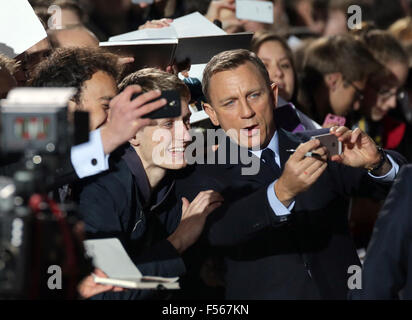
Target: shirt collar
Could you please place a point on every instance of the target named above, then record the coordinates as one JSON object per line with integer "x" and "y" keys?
{"x": 273, "y": 145}
{"x": 135, "y": 166}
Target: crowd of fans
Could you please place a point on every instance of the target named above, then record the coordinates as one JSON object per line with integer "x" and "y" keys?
{"x": 320, "y": 66}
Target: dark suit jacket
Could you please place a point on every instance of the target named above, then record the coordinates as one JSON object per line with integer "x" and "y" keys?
{"x": 387, "y": 271}
{"x": 305, "y": 257}
{"x": 111, "y": 205}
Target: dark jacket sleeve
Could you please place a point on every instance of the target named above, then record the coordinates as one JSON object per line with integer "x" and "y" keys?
{"x": 251, "y": 211}
{"x": 349, "y": 181}
{"x": 385, "y": 270}
{"x": 252, "y": 215}
{"x": 102, "y": 209}
{"x": 65, "y": 173}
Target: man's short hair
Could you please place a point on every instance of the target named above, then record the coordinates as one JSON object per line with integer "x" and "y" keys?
{"x": 385, "y": 47}
{"x": 343, "y": 54}
{"x": 229, "y": 60}
{"x": 154, "y": 79}
{"x": 71, "y": 67}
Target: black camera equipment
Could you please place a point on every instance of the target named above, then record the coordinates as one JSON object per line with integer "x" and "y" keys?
{"x": 41, "y": 253}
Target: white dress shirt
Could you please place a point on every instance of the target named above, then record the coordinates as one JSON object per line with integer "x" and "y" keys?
{"x": 88, "y": 158}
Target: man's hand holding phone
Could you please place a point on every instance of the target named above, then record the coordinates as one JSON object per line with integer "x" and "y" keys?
{"x": 331, "y": 143}
{"x": 358, "y": 149}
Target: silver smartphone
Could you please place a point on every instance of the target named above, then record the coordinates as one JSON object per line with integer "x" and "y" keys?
{"x": 331, "y": 143}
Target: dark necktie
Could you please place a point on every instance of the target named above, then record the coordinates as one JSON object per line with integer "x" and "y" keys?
{"x": 268, "y": 157}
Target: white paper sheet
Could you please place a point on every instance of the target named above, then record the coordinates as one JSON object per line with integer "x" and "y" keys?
{"x": 162, "y": 33}
{"x": 195, "y": 25}
{"x": 20, "y": 28}
{"x": 191, "y": 25}
{"x": 110, "y": 256}
{"x": 138, "y": 42}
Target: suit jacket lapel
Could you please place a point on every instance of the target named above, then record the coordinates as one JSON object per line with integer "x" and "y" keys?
{"x": 265, "y": 174}
{"x": 286, "y": 141}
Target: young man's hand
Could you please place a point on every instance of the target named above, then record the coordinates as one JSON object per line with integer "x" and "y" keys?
{"x": 194, "y": 216}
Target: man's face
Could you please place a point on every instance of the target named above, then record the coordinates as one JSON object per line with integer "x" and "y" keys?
{"x": 95, "y": 97}
{"x": 163, "y": 144}
{"x": 243, "y": 105}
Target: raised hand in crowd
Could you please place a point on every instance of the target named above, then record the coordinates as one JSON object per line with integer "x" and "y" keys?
{"x": 215, "y": 8}
{"x": 193, "y": 219}
{"x": 156, "y": 24}
{"x": 125, "y": 116}
{"x": 125, "y": 60}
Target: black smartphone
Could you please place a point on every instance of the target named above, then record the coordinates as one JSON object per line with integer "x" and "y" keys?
{"x": 171, "y": 109}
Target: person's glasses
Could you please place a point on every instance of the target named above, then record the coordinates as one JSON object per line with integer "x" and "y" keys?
{"x": 385, "y": 94}
{"x": 358, "y": 92}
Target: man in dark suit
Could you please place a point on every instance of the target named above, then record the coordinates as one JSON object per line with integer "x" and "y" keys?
{"x": 134, "y": 201}
{"x": 388, "y": 264}
{"x": 283, "y": 231}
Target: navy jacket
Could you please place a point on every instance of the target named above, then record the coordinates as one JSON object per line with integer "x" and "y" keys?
{"x": 115, "y": 204}
{"x": 305, "y": 257}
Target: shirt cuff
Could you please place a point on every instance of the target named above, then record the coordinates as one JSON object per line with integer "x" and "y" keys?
{"x": 88, "y": 158}
{"x": 391, "y": 175}
{"x": 278, "y": 208}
